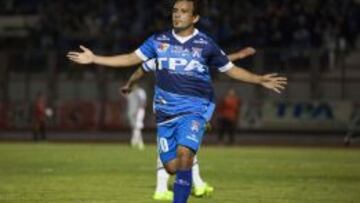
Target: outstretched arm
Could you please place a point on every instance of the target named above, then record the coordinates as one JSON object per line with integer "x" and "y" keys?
{"x": 88, "y": 57}
{"x": 270, "y": 81}
{"x": 139, "y": 73}
{"x": 242, "y": 53}
{"x": 136, "y": 76}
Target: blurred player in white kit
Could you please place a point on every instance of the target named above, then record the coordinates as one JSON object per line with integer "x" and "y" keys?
{"x": 136, "y": 103}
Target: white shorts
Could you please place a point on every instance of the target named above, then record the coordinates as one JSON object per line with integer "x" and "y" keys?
{"x": 137, "y": 121}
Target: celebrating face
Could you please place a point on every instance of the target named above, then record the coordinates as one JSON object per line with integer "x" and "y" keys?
{"x": 183, "y": 15}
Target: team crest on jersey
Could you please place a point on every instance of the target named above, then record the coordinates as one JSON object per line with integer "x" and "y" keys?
{"x": 163, "y": 47}
{"x": 196, "y": 52}
{"x": 195, "y": 126}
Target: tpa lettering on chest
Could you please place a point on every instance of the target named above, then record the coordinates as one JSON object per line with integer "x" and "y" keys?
{"x": 180, "y": 64}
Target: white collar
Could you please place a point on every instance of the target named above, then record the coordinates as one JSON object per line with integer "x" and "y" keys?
{"x": 185, "y": 39}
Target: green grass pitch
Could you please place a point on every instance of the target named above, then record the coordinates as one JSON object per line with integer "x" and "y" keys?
{"x": 91, "y": 173}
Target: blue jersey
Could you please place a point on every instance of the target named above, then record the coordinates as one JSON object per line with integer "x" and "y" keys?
{"x": 182, "y": 72}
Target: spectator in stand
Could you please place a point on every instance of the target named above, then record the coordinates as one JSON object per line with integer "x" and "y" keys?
{"x": 304, "y": 24}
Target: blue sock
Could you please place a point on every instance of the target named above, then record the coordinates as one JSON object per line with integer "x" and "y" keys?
{"x": 182, "y": 186}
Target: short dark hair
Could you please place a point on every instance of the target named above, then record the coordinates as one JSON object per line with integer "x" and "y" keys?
{"x": 196, "y": 4}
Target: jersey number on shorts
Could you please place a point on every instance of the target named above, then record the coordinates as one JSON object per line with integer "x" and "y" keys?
{"x": 164, "y": 147}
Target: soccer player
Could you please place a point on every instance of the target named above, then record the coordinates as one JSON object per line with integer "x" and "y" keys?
{"x": 183, "y": 98}
{"x": 162, "y": 193}
{"x": 201, "y": 188}
{"x": 136, "y": 103}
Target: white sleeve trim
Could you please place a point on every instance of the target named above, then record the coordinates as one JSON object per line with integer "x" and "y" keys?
{"x": 145, "y": 68}
{"x": 139, "y": 53}
{"x": 149, "y": 65}
{"x": 227, "y": 67}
